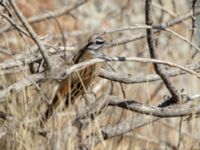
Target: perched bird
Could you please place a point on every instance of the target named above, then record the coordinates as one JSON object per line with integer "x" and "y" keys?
{"x": 76, "y": 83}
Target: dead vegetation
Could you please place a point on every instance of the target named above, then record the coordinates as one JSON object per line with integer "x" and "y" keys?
{"x": 145, "y": 96}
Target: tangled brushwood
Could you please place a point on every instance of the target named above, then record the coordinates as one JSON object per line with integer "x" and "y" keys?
{"x": 99, "y": 74}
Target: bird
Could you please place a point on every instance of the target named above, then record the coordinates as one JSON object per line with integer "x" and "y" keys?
{"x": 76, "y": 83}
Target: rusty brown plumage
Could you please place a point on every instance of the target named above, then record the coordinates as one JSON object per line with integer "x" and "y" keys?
{"x": 76, "y": 83}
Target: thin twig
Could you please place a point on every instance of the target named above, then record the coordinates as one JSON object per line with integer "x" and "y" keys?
{"x": 32, "y": 34}
{"x": 163, "y": 25}
{"x": 68, "y": 70}
{"x": 180, "y": 133}
{"x": 57, "y": 13}
{"x": 128, "y": 79}
{"x": 194, "y": 2}
{"x": 14, "y": 24}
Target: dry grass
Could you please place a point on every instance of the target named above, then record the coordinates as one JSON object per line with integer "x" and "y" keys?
{"x": 98, "y": 16}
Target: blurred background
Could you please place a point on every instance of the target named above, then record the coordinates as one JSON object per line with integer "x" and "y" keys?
{"x": 97, "y": 16}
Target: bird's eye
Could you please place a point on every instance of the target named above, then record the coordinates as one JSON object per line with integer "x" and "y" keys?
{"x": 99, "y": 41}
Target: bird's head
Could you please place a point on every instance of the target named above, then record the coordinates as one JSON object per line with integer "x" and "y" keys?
{"x": 95, "y": 45}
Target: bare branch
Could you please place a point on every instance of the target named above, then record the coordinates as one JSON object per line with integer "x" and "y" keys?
{"x": 57, "y": 13}
{"x": 69, "y": 70}
{"x": 32, "y": 34}
{"x": 152, "y": 49}
{"x": 128, "y": 79}
{"x": 172, "y": 111}
{"x": 133, "y": 123}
